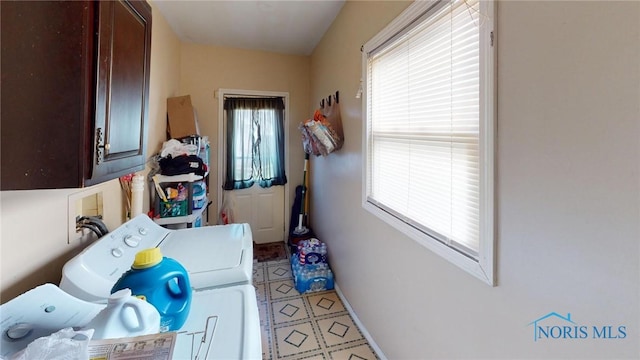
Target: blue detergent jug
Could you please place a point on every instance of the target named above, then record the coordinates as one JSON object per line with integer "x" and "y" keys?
{"x": 161, "y": 281}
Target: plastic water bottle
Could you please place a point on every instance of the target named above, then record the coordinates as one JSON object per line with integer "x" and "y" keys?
{"x": 161, "y": 281}
{"x": 125, "y": 316}
{"x": 302, "y": 254}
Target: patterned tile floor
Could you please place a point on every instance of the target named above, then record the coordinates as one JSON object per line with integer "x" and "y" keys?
{"x": 309, "y": 326}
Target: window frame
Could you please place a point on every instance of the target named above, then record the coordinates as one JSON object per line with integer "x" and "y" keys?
{"x": 484, "y": 267}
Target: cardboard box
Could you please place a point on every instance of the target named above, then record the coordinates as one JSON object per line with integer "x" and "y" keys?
{"x": 181, "y": 121}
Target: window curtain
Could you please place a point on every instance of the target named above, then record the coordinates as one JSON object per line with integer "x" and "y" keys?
{"x": 255, "y": 142}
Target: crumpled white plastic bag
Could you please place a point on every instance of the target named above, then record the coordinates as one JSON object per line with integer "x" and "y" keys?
{"x": 65, "y": 344}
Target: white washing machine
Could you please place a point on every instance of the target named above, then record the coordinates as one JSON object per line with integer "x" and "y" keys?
{"x": 223, "y": 322}
{"x": 214, "y": 256}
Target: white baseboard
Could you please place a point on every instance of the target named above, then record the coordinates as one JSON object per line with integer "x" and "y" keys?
{"x": 364, "y": 331}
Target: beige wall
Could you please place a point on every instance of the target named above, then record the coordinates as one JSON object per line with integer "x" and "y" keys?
{"x": 34, "y": 244}
{"x": 34, "y": 223}
{"x": 568, "y": 184}
{"x": 568, "y": 193}
{"x": 205, "y": 69}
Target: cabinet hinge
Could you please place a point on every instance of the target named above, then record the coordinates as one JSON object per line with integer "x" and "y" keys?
{"x": 100, "y": 145}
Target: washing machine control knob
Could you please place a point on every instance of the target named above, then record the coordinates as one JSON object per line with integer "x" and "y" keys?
{"x": 19, "y": 331}
{"x": 132, "y": 240}
{"x": 117, "y": 252}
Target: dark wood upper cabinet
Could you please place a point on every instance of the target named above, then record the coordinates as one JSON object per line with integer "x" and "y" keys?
{"x": 75, "y": 89}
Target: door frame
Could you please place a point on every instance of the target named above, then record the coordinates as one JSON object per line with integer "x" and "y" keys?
{"x": 222, "y": 143}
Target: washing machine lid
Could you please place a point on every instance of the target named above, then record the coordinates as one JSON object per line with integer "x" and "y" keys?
{"x": 40, "y": 312}
{"x": 213, "y": 255}
{"x": 223, "y": 323}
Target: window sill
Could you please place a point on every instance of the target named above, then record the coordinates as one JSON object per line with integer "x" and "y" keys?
{"x": 477, "y": 268}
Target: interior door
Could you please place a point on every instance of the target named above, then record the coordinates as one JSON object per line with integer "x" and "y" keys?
{"x": 262, "y": 209}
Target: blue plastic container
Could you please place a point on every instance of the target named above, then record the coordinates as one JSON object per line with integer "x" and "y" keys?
{"x": 161, "y": 281}
{"x": 199, "y": 195}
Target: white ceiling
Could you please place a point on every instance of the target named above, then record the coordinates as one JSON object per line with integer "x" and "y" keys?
{"x": 289, "y": 27}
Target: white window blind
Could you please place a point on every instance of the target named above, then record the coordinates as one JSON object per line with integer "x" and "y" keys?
{"x": 423, "y": 125}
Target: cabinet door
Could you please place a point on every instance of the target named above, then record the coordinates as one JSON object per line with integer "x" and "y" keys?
{"x": 47, "y": 93}
{"x": 122, "y": 88}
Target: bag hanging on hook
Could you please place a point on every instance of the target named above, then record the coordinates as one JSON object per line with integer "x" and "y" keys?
{"x": 318, "y": 137}
{"x": 331, "y": 112}
{"x": 323, "y": 134}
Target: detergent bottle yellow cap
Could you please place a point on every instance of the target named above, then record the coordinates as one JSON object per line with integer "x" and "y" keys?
{"x": 147, "y": 258}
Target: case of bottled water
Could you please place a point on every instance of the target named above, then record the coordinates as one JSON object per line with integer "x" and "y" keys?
{"x": 310, "y": 268}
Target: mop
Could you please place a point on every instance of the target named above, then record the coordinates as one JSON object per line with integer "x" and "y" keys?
{"x": 301, "y": 229}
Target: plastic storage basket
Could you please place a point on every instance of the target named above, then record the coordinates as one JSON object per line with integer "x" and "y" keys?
{"x": 178, "y": 205}
{"x": 173, "y": 208}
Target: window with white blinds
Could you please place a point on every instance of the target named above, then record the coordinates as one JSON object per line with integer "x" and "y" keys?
{"x": 429, "y": 128}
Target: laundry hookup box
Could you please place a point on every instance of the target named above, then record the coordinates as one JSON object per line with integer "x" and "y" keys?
{"x": 311, "y": 271}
